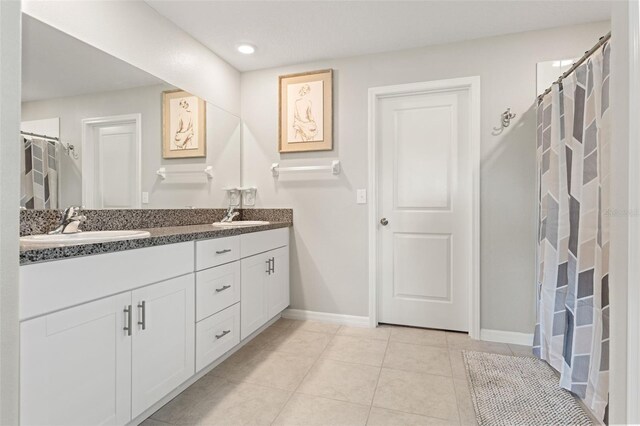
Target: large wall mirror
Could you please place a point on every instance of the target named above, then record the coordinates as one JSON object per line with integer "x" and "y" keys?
{"x": 92, "y": 132}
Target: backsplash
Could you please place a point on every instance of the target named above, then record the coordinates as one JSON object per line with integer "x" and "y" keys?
{"x": 43, "y": 221}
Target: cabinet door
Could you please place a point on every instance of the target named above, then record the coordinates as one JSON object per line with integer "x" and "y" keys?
{"x": 278, "y": 281}
{"x": 75, "y": 365}
{"x": 163, "y": 340}
{"x": 253, "y": 293}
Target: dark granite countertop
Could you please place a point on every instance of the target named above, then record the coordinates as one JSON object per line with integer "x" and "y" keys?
{"x": 159, "y": 236}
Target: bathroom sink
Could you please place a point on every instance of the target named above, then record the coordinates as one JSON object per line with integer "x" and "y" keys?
{"x": 47, "y": 240}
{"x": 241, "y": 223}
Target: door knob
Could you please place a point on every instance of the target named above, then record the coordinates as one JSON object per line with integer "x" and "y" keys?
{"x": 384, "y": 221}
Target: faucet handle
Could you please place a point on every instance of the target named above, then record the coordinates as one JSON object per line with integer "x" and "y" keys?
{"x": 70, "y": 211}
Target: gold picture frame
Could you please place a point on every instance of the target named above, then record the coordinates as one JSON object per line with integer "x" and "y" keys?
{"x": 184, "y": 127}
{"x": 305, "y": 121}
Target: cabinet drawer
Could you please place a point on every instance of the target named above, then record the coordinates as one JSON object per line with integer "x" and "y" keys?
{"x": 217, "y": 251}
{"x": 259, "y": 242}
{"x": 216, "y": 335}
{"x": 217, "y": 288}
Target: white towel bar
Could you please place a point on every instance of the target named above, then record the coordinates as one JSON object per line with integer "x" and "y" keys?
{"x": 334, "y": 168}
{"x": 163, "y": 172}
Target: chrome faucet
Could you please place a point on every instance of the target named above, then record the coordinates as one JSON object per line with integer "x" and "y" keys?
{"x": 70, "y": 222}
{"x": 231, "y": 213}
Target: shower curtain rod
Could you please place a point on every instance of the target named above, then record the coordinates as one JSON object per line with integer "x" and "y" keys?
{"x": 579, "y": 62}
{"x": 40, "y": 136}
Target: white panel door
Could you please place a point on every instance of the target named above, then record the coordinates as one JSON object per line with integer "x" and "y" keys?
{"x": 425, "y": 199}
{"x": 278, "y": 287}
{"x": 116, "y": 168}
{"x": 254, "y": 303}
{"x": 163, "y": 340}
{"x": 75, "y": 365}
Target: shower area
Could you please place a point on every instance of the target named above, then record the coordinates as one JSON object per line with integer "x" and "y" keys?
{"x": 42, "y": 157}
{"x": 573, "y": 157}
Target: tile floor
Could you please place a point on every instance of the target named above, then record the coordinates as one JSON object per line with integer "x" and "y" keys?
{"x": 312, "y": 373}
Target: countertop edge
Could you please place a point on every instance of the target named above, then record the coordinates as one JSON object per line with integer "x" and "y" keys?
{"x": 159, "y": 236}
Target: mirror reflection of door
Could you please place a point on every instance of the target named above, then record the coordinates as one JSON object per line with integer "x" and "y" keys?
{"x": 111, "y": 162}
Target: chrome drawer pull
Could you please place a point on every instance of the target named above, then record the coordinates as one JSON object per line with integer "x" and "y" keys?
{"x": 127, "y": 320}
{"x": 223, "y": 251}
{"x": 223, "y": 288}
{"x": 268, "y": 262}
{"x": 224, "y": 333}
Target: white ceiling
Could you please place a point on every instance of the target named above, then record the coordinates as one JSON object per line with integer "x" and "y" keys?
{"x": 288, "y": 32}
{"x": 56, "y": 65}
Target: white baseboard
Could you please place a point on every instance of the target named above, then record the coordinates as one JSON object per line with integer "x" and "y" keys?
{"x": 501, "y": 336}
{"x": 350, "y": 320}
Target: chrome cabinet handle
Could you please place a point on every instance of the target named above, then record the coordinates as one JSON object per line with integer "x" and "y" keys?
{"x": 223, "y": 251}
{"x": 127, "y": 320}
{"x": 223, "y": 288}
{"x": 269, "y": 266}
{"x": 224, "y": 333}
{"x": 143, "y": 323}
{"x": 273, "y": 265}
{"x": 384, "y": 221}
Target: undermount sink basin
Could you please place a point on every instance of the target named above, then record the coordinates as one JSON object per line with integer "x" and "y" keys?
{"x": 47, "y": 240}
{"x": 241, "y": 223}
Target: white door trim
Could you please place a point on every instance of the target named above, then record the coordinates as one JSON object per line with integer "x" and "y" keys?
{"x": 472, "y": 84}
{"x": 88, "y": 157}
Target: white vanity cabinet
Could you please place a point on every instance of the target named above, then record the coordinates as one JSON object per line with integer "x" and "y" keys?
{"x": 86, "y": 358}
{"x": 107, "y": 338}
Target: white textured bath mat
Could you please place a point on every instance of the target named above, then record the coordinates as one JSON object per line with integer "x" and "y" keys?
{"x": 513, "y": 390}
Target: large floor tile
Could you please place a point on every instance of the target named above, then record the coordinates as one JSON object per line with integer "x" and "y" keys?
{"x": 380, "y": 332}
{"x": 417, "y": 393}
{"x": 241, "y": 357}
{"x": 419, "y": 358}
{"x": 457, "y": 340}
{"x": 357, "y": 350}
{"x": 520, "y": 350}
{"x": 419, "y": 336}
{"x": 284, "y": 322}
{"x": 463, "y": 341}
{"x": 465, "y": 403}
{"x": 274, "y": 369}
{"x": 384, "y": 417}
{"x": 267, "y": 336}
{"x": 312, "y": 410}
{"x": 317, "y": 326}
{"x": 229, "y": 404}
{"x": 343, "y": 381}
{"x": 298, "y": 342}
{"x": 152, "y": 422}
{"x": 457, "y": 364}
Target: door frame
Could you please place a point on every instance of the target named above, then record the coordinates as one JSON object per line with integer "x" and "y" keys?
{"x": 88, "y": 155}
{"x": 472, "y": 85}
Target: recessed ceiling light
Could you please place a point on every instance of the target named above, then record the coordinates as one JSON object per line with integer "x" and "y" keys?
{"x": 246, "y": 49}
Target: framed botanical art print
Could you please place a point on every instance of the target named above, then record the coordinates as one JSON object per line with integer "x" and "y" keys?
{"x": 306, "y": 112}
{"x": 183, "y": 125}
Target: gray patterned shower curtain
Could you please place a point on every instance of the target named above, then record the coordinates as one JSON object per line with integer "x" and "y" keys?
{"x": 573, "y": 144}
{"x": 39, "y": 177}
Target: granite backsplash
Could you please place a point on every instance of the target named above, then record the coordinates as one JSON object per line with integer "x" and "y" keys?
{"x": 43, "y": 221}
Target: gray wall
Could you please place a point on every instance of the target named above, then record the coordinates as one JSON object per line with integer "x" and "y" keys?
{"x": 329, "y": 249}
{"x": 223, "y": 146}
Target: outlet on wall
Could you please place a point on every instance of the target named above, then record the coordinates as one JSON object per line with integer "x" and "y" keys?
{"x": 145, "y": 198}
{"x": 361, "y": 196}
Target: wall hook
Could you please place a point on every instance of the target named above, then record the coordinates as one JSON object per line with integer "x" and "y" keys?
{"x": 505, "y": 120}
{"x": 507, "y": 116}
